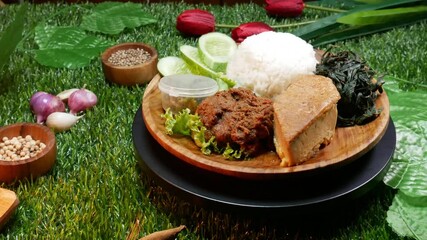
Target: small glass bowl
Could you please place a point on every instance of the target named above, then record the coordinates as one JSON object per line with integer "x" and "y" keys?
{"x": 182, "y": 91}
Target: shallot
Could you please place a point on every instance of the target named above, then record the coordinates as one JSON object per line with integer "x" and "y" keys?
{"x": 61, "y": 121}
{"x": 81, "y": 100}
{"x": 42, "y": 104}
{"x": 35, "y": 96}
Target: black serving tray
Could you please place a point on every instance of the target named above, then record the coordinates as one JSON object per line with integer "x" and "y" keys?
{"x": 295, "y": 195}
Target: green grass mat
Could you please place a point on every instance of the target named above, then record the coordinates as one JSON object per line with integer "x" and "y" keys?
{"x": 95, "y": 190}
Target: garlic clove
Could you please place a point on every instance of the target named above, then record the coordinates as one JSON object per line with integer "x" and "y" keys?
{"x": 64, "y": 95}
{"x": 61, "y": 121}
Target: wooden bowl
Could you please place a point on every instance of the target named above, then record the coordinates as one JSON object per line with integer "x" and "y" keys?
{"x": 130, "y": 75}
{"x": 33, "y": 167}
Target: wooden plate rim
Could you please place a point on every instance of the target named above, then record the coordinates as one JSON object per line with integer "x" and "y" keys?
{"x": 206, "y": 163}
{"x": 11, "y": 202}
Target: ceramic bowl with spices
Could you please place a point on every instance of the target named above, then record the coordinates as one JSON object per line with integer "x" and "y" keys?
{"x": 27, "y": 150}
{"x": 130, "y": 63}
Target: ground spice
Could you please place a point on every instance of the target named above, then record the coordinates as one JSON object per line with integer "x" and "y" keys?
{"x": 19, "y": 148}
{"x": 129, "y": 57}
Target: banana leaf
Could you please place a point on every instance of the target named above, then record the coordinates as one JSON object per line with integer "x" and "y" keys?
{"x": 342, "y": 4}
{"x": 319, "y": 27}
{"x": 324, "y": 25}
{"x": 383, "y": 16}
{"x": 370, "y": 1}
{"x": 358, "y": 31}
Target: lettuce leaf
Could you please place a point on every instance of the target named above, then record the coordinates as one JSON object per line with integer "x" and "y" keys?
{"x": 183, "y": 123}
{"x": 187, "y": 124}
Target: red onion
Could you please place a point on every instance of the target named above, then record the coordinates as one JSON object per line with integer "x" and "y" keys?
{"x": 34, "y": 97}
{"x": 42, "y": 104}
{"x": 81, "y": 100}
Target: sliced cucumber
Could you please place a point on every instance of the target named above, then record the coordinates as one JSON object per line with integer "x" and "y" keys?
{"x": 172, "y": 65}
{"x": 215, "y": 49}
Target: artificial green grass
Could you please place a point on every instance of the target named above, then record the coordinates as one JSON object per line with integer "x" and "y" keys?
{"x": 96, "y": 189}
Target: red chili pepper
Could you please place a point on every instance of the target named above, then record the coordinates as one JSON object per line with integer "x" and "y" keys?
{"x": 284, "y": 8}
{"x": 245, "y": 30}
{"x": 195, "y": 22}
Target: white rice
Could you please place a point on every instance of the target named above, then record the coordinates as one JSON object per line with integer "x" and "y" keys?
{"x": 267, "y": 62}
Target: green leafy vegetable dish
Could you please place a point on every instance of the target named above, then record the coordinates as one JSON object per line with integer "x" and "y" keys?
{"x": 356, "y": 84}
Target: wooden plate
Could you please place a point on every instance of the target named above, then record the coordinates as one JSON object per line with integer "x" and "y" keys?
{"x": 8, "y": 203}
{"x": 347, "y": 145}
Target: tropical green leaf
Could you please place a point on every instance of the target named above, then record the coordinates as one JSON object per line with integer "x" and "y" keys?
{"x": 341, "y": 4}
{"x": 319, "y": 27}
{"x": 371, "y": 1}
{"x": 12, "y": 35}
{"x": 383, "y": 16}
{"x": 408, "y": 171}
{"x": 114, "y": 17}
{"x": 68, "y": 47}
{"x": 409, "y": 175}
{"x": 406, "y": 219}
{"x": 384, "y": 4}
{"x": 324, "y": 25}
{"x": 358, "y": 31}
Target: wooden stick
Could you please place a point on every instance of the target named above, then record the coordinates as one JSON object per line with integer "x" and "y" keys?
{"x": 167, "y": 234}
{"x": 134, "y": 231}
